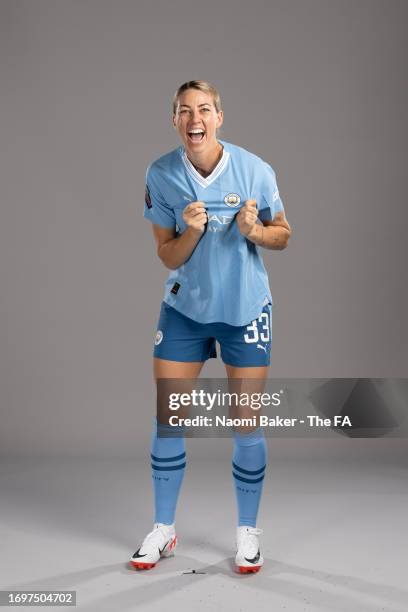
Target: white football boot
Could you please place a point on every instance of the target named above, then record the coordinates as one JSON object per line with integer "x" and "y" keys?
{"x": 160, "y": 542}
{"x": 249, "y": 557}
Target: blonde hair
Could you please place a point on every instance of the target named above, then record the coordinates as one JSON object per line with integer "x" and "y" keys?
{"x": 204, "y": 86}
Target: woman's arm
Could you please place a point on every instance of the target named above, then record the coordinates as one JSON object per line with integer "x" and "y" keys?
{"x": 174, "y": 250}
{"x": 273, "y": 234}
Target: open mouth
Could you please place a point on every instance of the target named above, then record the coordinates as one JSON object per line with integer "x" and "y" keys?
{"x": 196, "y": 135}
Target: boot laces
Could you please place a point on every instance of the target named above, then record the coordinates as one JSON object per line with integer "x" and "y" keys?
{"x": 157, "y": 535}
{"x": 248, "y": 540}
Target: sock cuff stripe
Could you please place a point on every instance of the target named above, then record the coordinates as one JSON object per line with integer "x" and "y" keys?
{"x": 249, "y": 472}
{"x": 166, "y": 459}
{"x": 247, "y": 479}
{"x": 167, "y": 468}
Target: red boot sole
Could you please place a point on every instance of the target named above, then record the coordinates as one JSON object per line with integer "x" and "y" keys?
{"x": 142, "y": 566}
{"x": 249, "y": 570}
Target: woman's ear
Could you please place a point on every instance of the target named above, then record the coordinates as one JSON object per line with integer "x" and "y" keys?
{"x": 220, "y": 119}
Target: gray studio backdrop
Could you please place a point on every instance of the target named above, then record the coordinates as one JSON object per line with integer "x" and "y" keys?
{"x": 315, "y": 87}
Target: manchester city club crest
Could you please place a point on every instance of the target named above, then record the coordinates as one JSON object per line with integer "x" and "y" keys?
{"x": 158, "y": 337}
{"x": 232, "y": 199}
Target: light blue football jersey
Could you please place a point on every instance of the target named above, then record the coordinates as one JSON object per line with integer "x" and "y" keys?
{"x": 224, "y": 280}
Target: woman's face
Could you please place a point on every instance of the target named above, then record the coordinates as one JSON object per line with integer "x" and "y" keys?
{"x": 197, "y": 120}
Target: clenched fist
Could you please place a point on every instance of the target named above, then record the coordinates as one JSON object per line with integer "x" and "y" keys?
{"x": 195, "y": 216}
{"x": 247, "y": 216}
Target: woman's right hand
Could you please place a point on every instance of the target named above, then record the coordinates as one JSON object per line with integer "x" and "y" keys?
{"x": 195, "y": 216}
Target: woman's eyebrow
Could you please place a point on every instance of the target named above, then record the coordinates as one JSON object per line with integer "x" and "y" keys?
{"x": 199, "y": 106}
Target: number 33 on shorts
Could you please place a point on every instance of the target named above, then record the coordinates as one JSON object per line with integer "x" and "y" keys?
{"x": 260, "y": 330}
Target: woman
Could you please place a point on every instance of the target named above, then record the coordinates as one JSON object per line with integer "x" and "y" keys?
{"x": 212, "y": 204}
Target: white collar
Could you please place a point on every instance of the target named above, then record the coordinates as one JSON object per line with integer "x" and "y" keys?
{"x": 201, "y": 180}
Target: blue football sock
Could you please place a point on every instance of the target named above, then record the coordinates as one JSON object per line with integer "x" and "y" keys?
{"x": 168, "y": 465}
{"x": 248, "y": 468}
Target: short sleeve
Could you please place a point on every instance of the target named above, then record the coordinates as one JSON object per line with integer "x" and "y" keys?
{"x": 155, "y": 208}
{"x": 271, "y": 203}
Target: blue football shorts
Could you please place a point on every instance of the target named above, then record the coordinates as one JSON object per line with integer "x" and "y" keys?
{"x": 179, "y": 338}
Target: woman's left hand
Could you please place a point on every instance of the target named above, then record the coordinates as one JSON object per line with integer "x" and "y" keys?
{"x": 247, "y": 217}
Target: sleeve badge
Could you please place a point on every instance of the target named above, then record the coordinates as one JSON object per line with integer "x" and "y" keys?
{"x": 148, "y": 199}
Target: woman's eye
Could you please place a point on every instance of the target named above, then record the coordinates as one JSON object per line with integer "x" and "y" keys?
{"x": 206, "y": 110}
